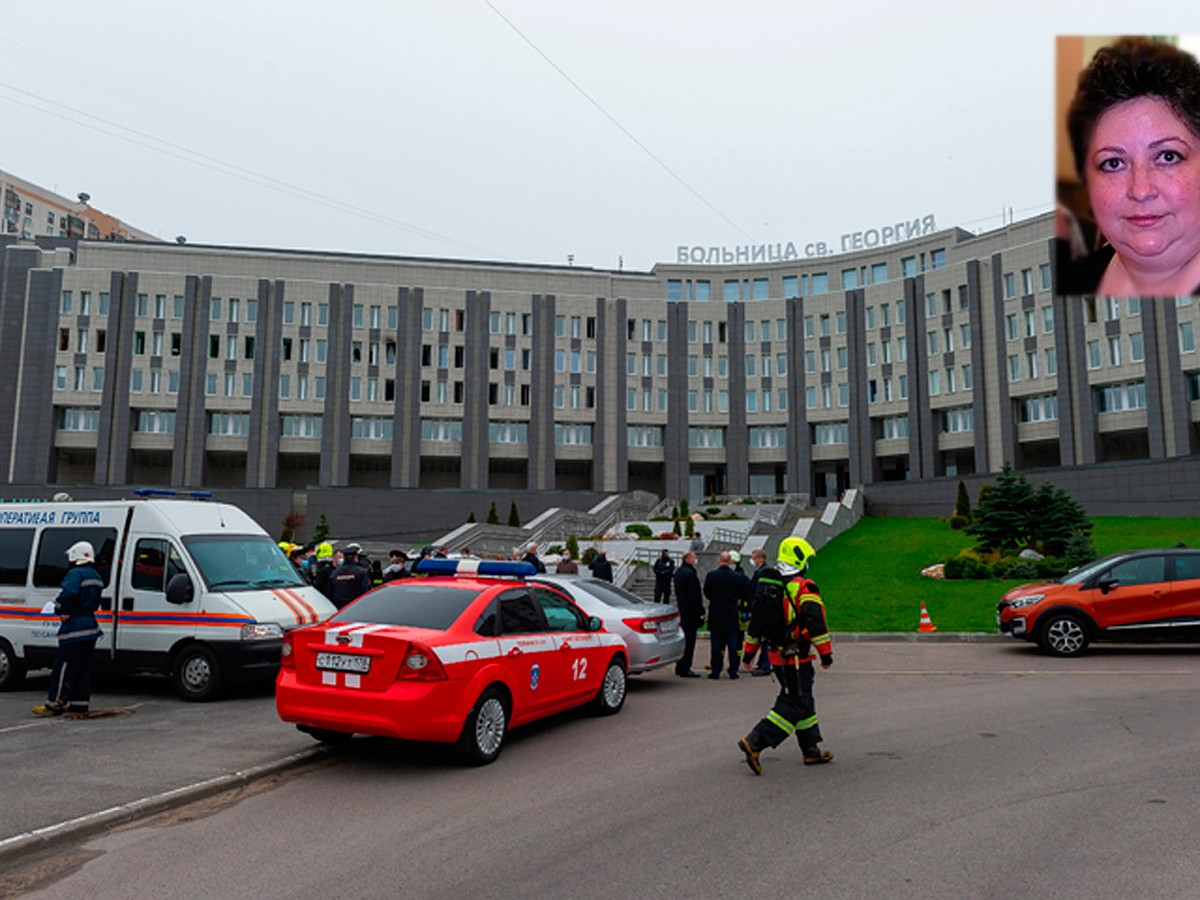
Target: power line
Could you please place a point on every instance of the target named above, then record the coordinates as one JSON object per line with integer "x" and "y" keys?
{"x": 625, "y": 131}
{"x": 178, "y": 151}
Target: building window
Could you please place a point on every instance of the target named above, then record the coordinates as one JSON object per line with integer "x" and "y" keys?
{"x": 1119, "y": 397}
{"x": 895, "y": 428}
{"x": 508, "y": 433}
{"x": 831, "y": 433}
{"x": 230, "y": 424}
{"x": 1137, "y": 350}
{"x": 955, "y": 421}
{"x": 302, "y": 426}
{"x": 151, "y": 421}
{"x": 79, "y": 419}
{"x": 1187, "y": 338}
{"x": 1039, "y": 409}
{"x": 371, "y": 428}
{"x": 706, "y": 438}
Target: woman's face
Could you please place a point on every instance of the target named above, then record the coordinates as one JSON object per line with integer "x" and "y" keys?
{"x": 1143, "y": 178}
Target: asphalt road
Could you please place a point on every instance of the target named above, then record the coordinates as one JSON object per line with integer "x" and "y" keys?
{"x": 962, "y": 770}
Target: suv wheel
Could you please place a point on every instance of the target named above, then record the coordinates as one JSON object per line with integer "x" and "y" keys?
{"x": 1064, "y": 635}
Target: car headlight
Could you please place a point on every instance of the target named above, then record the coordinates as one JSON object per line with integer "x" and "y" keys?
{"x": 262, "y": 631}
{"x": 1025, "y": 601}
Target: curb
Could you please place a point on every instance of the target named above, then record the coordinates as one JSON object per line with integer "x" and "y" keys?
{"x": 42, "y": 838}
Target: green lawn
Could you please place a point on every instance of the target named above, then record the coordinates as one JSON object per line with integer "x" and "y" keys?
{"x": 870, "y": 577}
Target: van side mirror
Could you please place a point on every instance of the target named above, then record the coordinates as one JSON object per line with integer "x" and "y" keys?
{"x": 180, "y": 590}
{"x": 1107, "y": 584}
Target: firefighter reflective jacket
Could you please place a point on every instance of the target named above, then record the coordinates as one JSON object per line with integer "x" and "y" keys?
{"x": 804, "y": 612}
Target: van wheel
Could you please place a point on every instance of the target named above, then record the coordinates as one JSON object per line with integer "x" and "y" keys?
{"x": 196, "y": 674}
{"x": 1064, "y": 635}
{"x": 12, "y": 670}
{"x": 484, "y": 731}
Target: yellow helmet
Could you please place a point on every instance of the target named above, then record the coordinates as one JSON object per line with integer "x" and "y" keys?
{"x": 796, "y": 552}
{"x": 324, "y": 550}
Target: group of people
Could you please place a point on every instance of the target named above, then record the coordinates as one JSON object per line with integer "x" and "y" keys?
{"x": 600, "y": 567}
{"x": 737, "y": 639}
{"x": 346, "y": 573}
{"x": 734, "y": 602}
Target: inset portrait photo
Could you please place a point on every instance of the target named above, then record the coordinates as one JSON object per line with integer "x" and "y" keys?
{"x": 1128, "y": 166}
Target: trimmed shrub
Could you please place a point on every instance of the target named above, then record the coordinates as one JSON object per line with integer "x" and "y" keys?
{"x": 643, "y": 531}
{"x": 958, "y": 523}
{"x": 588, "y": 555}
{"x": 1013, "y": 568}
{"x": 973, "y": 568}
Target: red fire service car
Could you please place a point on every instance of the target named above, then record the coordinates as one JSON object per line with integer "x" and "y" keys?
{"x": 457, "y": 657}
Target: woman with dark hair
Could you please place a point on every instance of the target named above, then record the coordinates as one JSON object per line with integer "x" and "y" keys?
{"x": 1134, "y": 126}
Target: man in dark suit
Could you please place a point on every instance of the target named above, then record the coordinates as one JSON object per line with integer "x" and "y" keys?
{"x": 691, "y": 611}
{"x": 664, "y": 574}
{"x": 725, "y": 588}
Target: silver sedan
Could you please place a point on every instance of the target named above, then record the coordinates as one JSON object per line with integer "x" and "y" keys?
{"x": 650, "y": 630}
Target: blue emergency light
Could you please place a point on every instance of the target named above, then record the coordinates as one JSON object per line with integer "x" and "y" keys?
{"x": 167, "y": 492}
{"x": 495, "y": 568}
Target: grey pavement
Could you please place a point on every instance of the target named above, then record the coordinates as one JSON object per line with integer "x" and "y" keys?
{"x": 66, "y": 778}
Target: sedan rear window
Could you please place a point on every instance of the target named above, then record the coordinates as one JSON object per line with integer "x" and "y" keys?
{"x": 410, "y": 603}
{"x": 609, "y": 593}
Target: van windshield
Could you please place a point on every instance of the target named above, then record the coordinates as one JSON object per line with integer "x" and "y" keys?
{"x": 241, "y": 562}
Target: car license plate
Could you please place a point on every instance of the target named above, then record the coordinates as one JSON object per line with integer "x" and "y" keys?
{"x": 343, "y": 662}
{"x": 668, "y": 627}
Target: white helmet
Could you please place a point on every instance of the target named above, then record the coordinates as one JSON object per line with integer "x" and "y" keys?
{"x": 81, "y": 552}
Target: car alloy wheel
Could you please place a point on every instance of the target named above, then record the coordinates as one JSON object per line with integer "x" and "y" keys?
{"x": 490, "y": 724}
{"x": 1065, "y": 636}
{"x": 611, "y": 696}
{"x": 485, "y": 729}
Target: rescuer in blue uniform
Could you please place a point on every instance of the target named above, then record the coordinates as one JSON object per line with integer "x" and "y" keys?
{"x": 76, "y": 605}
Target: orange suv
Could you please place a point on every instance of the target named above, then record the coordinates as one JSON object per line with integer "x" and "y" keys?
{"x": 1139, "y": 595}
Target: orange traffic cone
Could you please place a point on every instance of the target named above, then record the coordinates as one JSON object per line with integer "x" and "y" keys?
{"x": 926, "y": 622}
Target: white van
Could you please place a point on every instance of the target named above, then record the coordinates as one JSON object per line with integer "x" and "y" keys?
{"x": 194, "y": 589}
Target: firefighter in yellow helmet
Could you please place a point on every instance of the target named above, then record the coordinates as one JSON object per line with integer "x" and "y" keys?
{"x": 788, "y": 622}
{"x": 323, "y": 570}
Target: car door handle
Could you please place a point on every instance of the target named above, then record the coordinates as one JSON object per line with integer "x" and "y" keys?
{"x": 515, "y": 651}
{"x": 566, "y": 645}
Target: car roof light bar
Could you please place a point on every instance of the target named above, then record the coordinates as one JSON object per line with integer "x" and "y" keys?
{"x": 493, "y": 568}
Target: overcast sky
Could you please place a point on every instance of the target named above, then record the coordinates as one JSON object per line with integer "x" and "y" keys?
{"x": 531, "y": 130}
